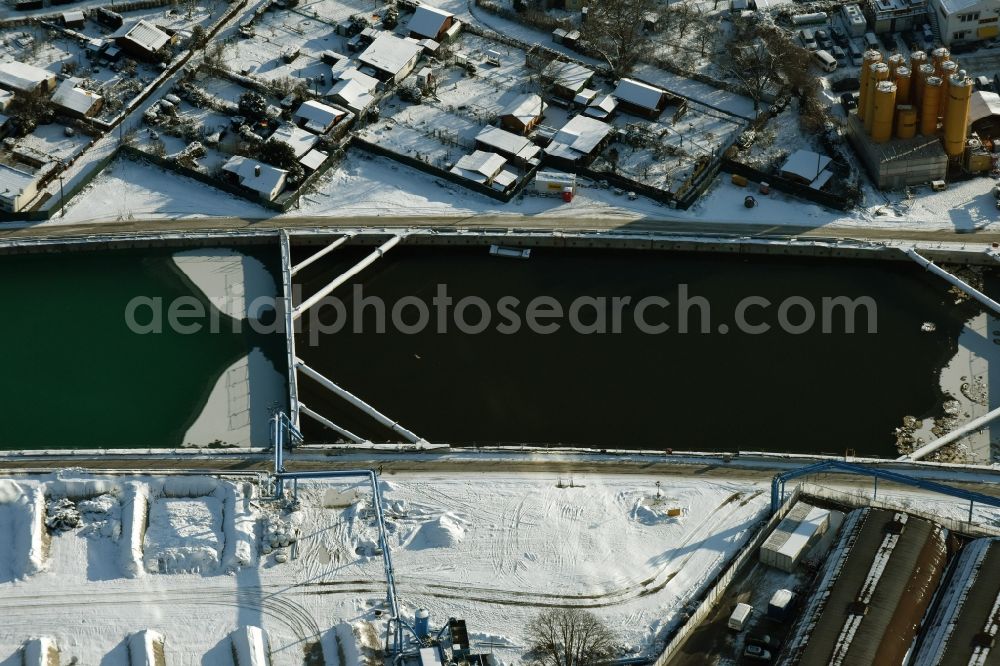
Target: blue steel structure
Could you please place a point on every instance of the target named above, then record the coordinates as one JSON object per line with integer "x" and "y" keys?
{"x": 778, "y": 483}
{"x": 284, "y": 431}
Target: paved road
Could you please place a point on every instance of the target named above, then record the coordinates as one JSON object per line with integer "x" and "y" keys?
{"x": 497, "y": 222}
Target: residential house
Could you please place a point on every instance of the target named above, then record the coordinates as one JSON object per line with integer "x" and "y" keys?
{"x": 352, "y": 95}
{"x": 566, "y": 79}
{"x": 299, "y": 139}
{"x": 142, "y": 39}
{"x": 486, "y": 169}
{"x": 73, "y": 100}
{"x": 26, "y": 79}
{"x": 514, "y": 147}
{"x": 318, "y": 117}
{"x": 17, "y": 188}
{"x": 264, "y": 180}
{"x": 430, "y": 23}
{"x": 579, "y": 140}
{"x": 392, "y": 58}
{"x": 602, "y": 107}
{"x": 640, "y": 98}
{"x": 523, "y": 114}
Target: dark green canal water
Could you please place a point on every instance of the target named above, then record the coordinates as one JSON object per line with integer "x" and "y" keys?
{"x": 74, "y": 375}
{"x": 806, "y": 393}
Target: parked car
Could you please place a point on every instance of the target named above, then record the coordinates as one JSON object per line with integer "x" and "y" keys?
{"x": 823, "y": 39}
{"x": 839, "y": 36}
{"x": 808, "y": 38}
{"x": 849, "y": 100}
{"x": 756, "y": 653}
{"x": 928, "y": 34}
{"x": 839, "y": 55}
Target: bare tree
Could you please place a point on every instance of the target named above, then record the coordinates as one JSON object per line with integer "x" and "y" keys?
{"x": 754, "y": 66}
{"x": 569, "y": 637}
{"x": 614, "y": 29}
{"x": 706, "y": 32}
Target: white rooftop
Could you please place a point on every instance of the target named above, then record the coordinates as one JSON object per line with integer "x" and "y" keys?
{"x": 525, "y": 108}
{"x": 568, "y": 74}
{"x": 22, "y": 76}
{"x": 427, "y": 21}
{"x": 983, "y": 105}
{"x": 639, "y": 93}
{"x": 389, "y": 53}
{"x": 579, "y": 136}
{"x": 318, "y": 116}
{"x": 480, "y": 162}
{"x": 507, "y": 142}
{"x": 146, "y": 35}
{"x": 352, "y": 93}
{"x": 313, "y": 159}
{"x": 300, "y": 140}
{"x": 13, "y": 181}
{"x": 804, "y": 531}
{"x": 245, "y": 169}
{"x": 369, "y": 83}
{"x": 805, "y": 164}
{"x": 70, "y": 96}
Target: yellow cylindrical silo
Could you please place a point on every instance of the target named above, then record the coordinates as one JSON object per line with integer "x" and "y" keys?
{"x": 906, "y": 120}
{"x": 938, "y": 56}
{"x": 895, "y": 61}
{"x": 878, "y": 72}
{"x": 871, "y": 57}
{"x": 917, "y": 58}
{"x": 903, "y": 84}
{"x": 957, "y": 116}
{"x": 929, "y": 106}
{"x": 926, "y": 70}
{"x": 948, "y": 69}
{"x": 883, "y": 111}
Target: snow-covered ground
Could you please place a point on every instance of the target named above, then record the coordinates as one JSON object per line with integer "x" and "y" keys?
{"x": 490, "y": 548}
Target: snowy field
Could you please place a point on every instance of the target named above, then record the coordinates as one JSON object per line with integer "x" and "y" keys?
{"x": 490, "y": 548}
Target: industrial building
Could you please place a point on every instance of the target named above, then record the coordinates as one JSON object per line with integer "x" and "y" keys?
{"x": 963, "y": 629}
{"x": 911, "y": 124}
{"x": 965, "y": 21}
{"x": 794, "y": 536}
{"x": 871, "y": 593}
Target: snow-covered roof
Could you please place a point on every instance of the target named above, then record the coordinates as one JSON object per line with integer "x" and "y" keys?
{"x": 525, "y": 108}
{"x": 479, "y": 166}
{"x": 427, "y": 21}
{"x": 952, "y": 6}
{"x": 602, "y": 107}
{"x": 14, "y": 181}
{"x": 983, "y": 105}
{"x": 313, "y": 159}
{"x": 506, "y": 142}
{"x": 269, "y": 181}
{"x": 300, "y": 140}
{"x": 389, "y": 53}
{"x": 6, "y": 97}
{"x": 585, "y": 96}
{"x": 22, "y": 76}
{"x": 568, "y": 75}
{"x": 70, "y": 96}
{"x": 144, "y": 34}
{"x": 73, "y": 17}
{"x": 352, "y": 94}
{"x": 580, "y": 136}
{"x": 369, "y": 83}
{"x": 805, "y": 164}
{"x": 639, "y": 93}
{"x": 319, "y": 117}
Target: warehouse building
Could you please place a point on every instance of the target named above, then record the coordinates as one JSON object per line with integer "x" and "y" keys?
{"x": 963, "y": 628}
{"x": 794, "y": 536}
{"x": 872, "y": 592}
